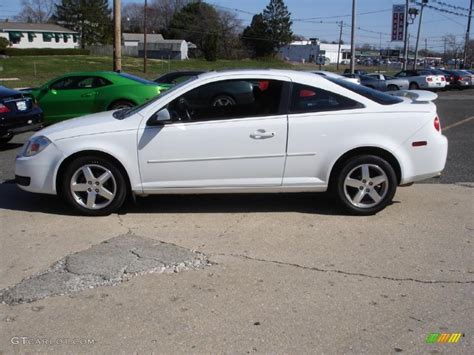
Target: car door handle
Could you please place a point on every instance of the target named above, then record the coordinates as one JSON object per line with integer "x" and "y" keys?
{"x": 262, "y": 134}
{"x": 89, "y": 94}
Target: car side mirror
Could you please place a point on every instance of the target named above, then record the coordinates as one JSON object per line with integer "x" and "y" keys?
{"x": 159, "y": 118}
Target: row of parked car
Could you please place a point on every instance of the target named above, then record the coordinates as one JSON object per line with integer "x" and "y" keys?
{"x": 78, "y": 94}
{"x": 430, "y": 79}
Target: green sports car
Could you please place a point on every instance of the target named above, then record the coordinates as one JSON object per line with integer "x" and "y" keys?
{"x": 79, "y": 94}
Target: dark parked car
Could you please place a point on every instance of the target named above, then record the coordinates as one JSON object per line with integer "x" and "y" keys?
{"x": 368, "y": 81}
{"x": 356, "y": 71}
{"x": 176, "y": 77}
{"x": 458, "y": 79}
{"x": 220, "y": 99}
{"x": 18, "y": 113}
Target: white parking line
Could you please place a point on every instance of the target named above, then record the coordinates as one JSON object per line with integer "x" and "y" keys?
{"x": 458, "y": 123}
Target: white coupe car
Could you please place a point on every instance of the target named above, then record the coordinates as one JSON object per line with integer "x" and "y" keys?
{"x": 281, "y": 131}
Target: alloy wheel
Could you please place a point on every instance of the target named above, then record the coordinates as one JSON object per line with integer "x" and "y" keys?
{"x": 366, "y": 185}
{"x": 93, "y": 186}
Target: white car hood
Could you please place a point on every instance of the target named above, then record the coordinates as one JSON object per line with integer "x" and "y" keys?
{"x": 97, "y": 123}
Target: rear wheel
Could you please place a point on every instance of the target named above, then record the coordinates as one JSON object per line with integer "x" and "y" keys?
{"x": 121, "y": 104}
{"x": 414, "y": 86}
{"x": 366, "y": 184}
{"x": 392, "y": 87}
{"x": 94, "y": 186}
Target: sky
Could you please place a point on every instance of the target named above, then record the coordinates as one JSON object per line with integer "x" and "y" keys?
{"x": 374, "y": 19}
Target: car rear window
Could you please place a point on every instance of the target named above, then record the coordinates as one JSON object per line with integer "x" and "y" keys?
{"x": 371, "y": 94}
{"x": 136, "y": 78}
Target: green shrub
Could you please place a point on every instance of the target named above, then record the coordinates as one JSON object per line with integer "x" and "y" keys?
{"x": 14, "y": 52}
{"x": 4, "y": 43}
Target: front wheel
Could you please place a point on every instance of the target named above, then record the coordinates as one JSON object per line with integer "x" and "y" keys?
{"x": 94, "y": 186}
{"x": 366, "y": 184}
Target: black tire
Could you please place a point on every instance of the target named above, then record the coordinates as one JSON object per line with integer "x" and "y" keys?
{"x": 5, "y": 140}
{"x": 385, "y": 190}
{"x": 116, "y": 184}
{"x": 121, "y": 104}
{"x": 392, "y": 87}
{"x": 414, "y": 86}
{"x": 229, "y": 100}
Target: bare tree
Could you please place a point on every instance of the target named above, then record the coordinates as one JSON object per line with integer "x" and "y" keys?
{"x": 229, "y": 44}
{"x": 454, "y": 48}
{"x": 165, "y": 9}
{"x": 37, "y": 11}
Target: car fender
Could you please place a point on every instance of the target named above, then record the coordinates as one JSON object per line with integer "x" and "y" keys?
{"x": 123, "y": 149}
{"x": 364, "y": 143}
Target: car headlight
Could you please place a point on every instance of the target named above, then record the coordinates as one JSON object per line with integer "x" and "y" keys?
{"x": 36, "y": 145}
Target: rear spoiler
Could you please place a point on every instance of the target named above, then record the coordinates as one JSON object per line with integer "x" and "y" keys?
{"x": 415, "y": 95}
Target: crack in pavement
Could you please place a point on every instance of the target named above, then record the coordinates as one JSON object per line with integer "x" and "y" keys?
{"x": 122, "y": 224}
{"x": 348, "y": 273}
{"x": 238, "y": 221}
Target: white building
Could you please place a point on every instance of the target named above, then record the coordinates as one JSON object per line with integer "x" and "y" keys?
{"x": 311, "y": 50}
{"x": 38, "y": 35}
{"x": 157, "y": 46}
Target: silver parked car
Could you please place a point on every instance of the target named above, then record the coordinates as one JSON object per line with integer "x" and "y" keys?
{"x": 393, "y": 84}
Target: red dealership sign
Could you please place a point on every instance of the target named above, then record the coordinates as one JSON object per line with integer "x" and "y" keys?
{"x": 398, "y": 22}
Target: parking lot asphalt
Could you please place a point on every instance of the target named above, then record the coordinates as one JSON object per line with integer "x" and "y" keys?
{"x": 244, "y": 273}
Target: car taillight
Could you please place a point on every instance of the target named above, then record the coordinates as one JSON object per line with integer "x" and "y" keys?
{"x": 437, "y": 124}
{"x": 4, "y": 109}
{"x": 429, "y": 79}
{"x": 442, "y": 78}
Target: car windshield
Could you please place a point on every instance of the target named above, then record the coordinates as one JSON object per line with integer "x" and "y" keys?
{"x": 371, "y": 94}
{"x": 136, "y": 78}
{"x": 127, "y": 112}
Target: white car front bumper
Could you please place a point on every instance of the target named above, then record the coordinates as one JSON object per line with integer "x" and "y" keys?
{"x": 37, "y": 173}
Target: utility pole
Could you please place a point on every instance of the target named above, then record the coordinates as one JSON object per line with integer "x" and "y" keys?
{"x": 353, "y": 29}
{"x": 444, "y": 53}
{"x": 466, "y": 44}
{"x": 117, "y": 37}
{"x": 405, "y": 40}
{"x": 423, "y": 3}
{"x": 339, "y": 48}
{"x": 144, "y": 37}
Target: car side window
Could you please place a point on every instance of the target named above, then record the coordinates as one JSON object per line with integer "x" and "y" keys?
{"x": 85, "y": 83}
{"x": 310, "y": 99}
{"x": 64, "y": 84}
{"x": 228, "y": 99}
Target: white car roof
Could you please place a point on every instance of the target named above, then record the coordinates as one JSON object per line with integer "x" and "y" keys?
{"x": 293, "y": 75}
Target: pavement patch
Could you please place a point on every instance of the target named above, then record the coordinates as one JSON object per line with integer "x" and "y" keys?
{"x": 108, "y": 263}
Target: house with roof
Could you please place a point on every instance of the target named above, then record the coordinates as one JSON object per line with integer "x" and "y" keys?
{"x": 38, "y": 35}
{"x": 157, "y": 46}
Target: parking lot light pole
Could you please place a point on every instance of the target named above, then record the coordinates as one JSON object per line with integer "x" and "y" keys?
{"x": 423, "y": 3}
{"x": 117, "y": 37}
{"x": 405, "y": 40}
{"x": 353, "y": 29}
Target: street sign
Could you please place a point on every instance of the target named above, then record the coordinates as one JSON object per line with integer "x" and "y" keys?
{"x": 398, "y": 22}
